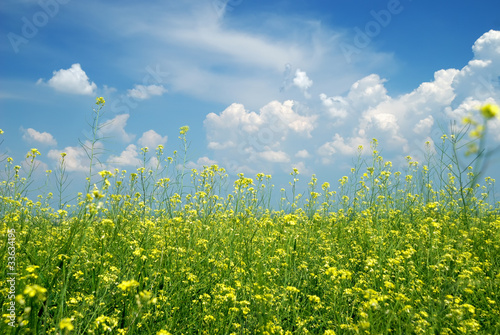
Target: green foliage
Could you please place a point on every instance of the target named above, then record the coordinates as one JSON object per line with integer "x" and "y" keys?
{"x": 385, "y": 252}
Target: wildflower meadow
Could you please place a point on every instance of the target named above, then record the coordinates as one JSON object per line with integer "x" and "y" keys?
{"x": 166, "y": 250}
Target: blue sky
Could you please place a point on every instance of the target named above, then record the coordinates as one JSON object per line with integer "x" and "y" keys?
{"x": 264, "y": 86}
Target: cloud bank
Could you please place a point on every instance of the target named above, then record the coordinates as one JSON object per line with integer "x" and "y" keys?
{"x": 335, "y": 126}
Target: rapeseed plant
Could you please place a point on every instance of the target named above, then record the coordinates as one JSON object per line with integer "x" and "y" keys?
{"x": 382, "y": 251}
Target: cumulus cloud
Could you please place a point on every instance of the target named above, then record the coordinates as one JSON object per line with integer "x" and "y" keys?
{"x": 116, "y": 128}
{"x": 73, "y": 80}
{"x": 302, "y": 81}
{"x": 424, "y": 126}
{"x": 273, "y": 122}
{"x": 402, "y": 124}
{"x": 479, "y": 79}
{"x": 200, "y": 163}
{"x": 369, "y": 112}
{"x": 301, "y": 167}
{"x": 363, "y": 94}
{"x": 152, "y": 139}
{"x": 336, "y": 106}
{"x": 405, "y": 122}
{"x": 469, "y": 107}
{"x": 340, "y": 145}
{"x": 302, "y": 154}
{"x": 487, "y": 47}
{"x": 280, "y": 132}
{"x": 274, "y": 156}
{"x": 252, "y": 137}
{"x": 142, "y": 92}
{"x": 76, "y": 158}
{"x": 128, "y": 157}
{"x": 31, "y": 135}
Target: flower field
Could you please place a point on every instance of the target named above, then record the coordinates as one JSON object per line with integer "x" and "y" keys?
{"x": 380, "y": 252}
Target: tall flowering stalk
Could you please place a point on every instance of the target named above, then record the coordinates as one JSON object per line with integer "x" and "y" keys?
{"x": 91, "y": 148}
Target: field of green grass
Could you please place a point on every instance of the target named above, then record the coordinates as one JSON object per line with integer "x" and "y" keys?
{"x": 380, "y": 252}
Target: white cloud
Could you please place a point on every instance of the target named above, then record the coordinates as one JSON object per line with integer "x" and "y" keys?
{"x": 213, "y": 58}
{"x": 402, "y": 124}
{"x": 424, "y": 126}
{"x": 73, "y": 80}
{"x": 302, "y": 154}
{"x": 302, "y": 81}
{"x": 368, "y": 91}
{"x": 221, "y": 146}
{"x": 274, "y": 156}
{"x": 263, "y": 131}
{"x": 273, "y": 123}
{"x": 257, "y": 137}
{"x": 76, "y": 158}
{"x": 495, "y": 129}
{"x": 142, "y": 92}
{"x": 339, "y": 145}
{"x": 470, "y": 107}
{"x": 128, "y": 157}
{"x": 386, "y": 121}
{"x": 487, "y": 46}
{"x": 116, "y": 128}
{"x": 369, "y": 112}
{"x": 336, "y": 106}
{"x": 300, "y": 166}
{"x": 31, "y": 135}
{"x": 363, "y": 95}
{"x": 152, "y": 139}
{"x": 479, "y": 79}
{"x": 200, "y": 163}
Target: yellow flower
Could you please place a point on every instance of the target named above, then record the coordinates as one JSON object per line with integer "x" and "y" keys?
{"x": 33, "y": 290}
{"x": 477, "y": 132}
{"x": 468, "y": 120}
{"x": 389, "y": 285}
{"x": 128, "y": 284}
{"x": 489, "y": 111}
{"x": 472, "y": 149}
{"x": 184, "y": 129}
{"x": 97, "y": 195}
{"x": 292, "y": 289}
{"x": 314, "y": 299}
{"x": 208, "y": 318}
{"x": 105, "y": 174}
{"x": 100, "y": 101}
{"x": 32, "y": 268}
{"x": 66, "y": 324}
{"x": 33, "y": 153}
{"x": 1, "y": 131}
